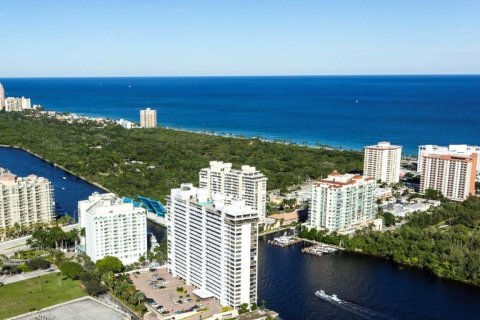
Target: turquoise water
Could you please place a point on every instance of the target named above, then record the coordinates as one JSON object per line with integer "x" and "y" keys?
{"x": 348, "y": 112}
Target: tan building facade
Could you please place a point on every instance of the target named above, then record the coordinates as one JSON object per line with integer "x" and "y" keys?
{"x": 25, "y": 201}
{"x": 382, "y": 162}
{"x": 148, "y": 118}
{"x": 453, "y": 175}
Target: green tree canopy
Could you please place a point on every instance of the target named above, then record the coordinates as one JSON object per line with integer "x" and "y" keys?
{"x": 109, "y": 263}
{"x": 71, "y": 269}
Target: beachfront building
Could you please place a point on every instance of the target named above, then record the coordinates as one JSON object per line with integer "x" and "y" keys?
{"x": 247, "y": 184}
{"x": 113, "y": 228}
{"x": 25, "y": 201}
{"x": 453, "y": 149}
{"x": 382, "y": 162}
{"x": 2, "y": 97}
{"x": 342, "y": 202}
{"x": 17, "y": 104}
{"x": 213, "y": 246}
{"x": 451, "y": 174}
{"x": 148, "y": 118}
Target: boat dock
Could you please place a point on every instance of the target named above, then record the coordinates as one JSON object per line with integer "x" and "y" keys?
{"x": 284, "y": 241}
{"x": 319, "y": 249}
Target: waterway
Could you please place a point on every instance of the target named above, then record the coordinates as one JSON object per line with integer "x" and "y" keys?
{"x": 370, "y": 288}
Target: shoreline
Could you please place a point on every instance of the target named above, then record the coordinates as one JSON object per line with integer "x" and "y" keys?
{"x": 291, "y": 142}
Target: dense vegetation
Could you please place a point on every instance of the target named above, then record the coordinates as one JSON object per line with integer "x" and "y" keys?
{"x": 109, "y": 155}
{"x": 445, "y": 242}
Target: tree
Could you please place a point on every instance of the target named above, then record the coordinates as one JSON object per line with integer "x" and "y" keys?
{"x": 243, "y": 308}
{"x": 389, "y": 219}
{"x": 109, "y": 263}
{"x": 433, "y": 194}
{"x": 94, "y": 288}
{"x": 37, "y": 263}
{"x": 109, "y": 279}
{"x": 71, "y": 269}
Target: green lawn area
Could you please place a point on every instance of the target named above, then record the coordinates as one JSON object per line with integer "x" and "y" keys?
{"x": 37, "y": 293}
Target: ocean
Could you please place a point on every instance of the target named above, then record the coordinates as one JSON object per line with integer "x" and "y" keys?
{"x": 341, "y": 111}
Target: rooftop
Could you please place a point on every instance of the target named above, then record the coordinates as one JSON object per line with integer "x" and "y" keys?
{"x": 335, "y": 179}
{"x": 383, "y": 145}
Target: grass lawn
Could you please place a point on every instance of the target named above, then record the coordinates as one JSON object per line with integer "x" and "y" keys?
{"x": 37, "y": 293}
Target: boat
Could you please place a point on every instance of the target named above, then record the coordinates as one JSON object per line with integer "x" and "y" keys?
{"x": 64, "y": 178}
{"x": 333, "y": 298}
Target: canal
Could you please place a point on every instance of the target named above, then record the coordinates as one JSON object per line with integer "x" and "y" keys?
{"x": 370, "y": 288}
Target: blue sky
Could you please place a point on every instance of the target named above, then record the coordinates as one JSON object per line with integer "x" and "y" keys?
{"x": 243, "y": 37}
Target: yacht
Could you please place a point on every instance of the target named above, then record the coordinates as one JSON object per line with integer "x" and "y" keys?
{"x": 324, "y": 296}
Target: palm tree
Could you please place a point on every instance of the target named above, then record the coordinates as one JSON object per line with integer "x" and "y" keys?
{"x": 139, "y": 298}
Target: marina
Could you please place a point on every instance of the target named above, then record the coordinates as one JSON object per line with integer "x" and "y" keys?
{"x": 284, "y": 241}
{"x": 318, "y": 250}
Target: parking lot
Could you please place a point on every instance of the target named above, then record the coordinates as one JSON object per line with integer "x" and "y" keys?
{"x": 161, "y": 287}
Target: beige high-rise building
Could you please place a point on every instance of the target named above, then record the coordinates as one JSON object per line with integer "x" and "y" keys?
{"x": 2, "y": 97}
{"x": 17, "y": 104}
{"x": 382, "y": 162}
{"x": 451, "y": 174}
{"x": 26, "y": 200}
{"x": 148, "y": 118}
{"x": 453, "y": 149}
{"x": 247, "y": 184}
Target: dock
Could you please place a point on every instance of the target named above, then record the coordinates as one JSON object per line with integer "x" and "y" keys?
{"x": 319, "y": 249}
{"x": 284, "y": 241}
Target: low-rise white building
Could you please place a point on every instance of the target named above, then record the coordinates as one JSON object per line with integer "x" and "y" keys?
{"x": 213, "y": 246}
{"x": 113, "y": 228}
{"x": 342, "y": 202}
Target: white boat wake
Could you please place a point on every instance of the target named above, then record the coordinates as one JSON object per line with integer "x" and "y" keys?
{"x": 358, "y": 310}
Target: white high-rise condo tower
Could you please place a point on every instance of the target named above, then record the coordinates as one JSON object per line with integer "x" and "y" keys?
{"x": 382, "y": 162}
{"x": 213, "y": 246}
{"x": 342, "y": 202}
{"x": 148, "y": 118}
{"x": 247, "y": 184}
{"x": 113, "y": 228}
{"x": 25, "y": 200}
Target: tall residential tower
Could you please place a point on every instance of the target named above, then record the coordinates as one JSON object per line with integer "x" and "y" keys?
{"x": 342, "y": 202}
{"x": 113, "y": 228}
{"x": 213, "y": 246}
{"x": 453, "y": 150}
{"x": 451, "y": 174}
{"x": 2, "y": 97}
{"x": 148, "y": 118}
{"x": 382, "y": 162}
{"x": 247, "y": 184}
{"x": 25, "y": 201}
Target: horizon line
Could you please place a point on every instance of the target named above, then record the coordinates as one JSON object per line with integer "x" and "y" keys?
{"x": 250, "y": 76}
